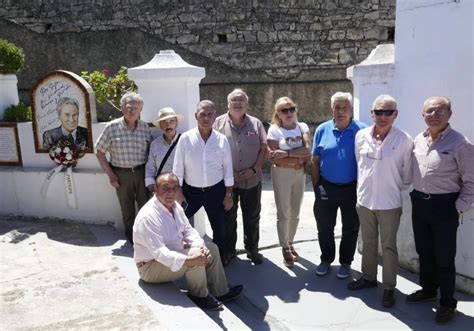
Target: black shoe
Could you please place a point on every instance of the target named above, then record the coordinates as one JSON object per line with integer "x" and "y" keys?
{"x": 234, "y": 293}
{"x": 361, "y": 283}
{"x": 255, "y": 256}
{"x": 226, "y": 257}
{"x": 444, "y": 314}
{"x": 420, "y": 296}
{"x": 388, "y": 299}
{"x": 208, "y": 303}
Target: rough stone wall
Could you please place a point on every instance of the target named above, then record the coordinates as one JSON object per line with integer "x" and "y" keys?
{"x": 272, "y": 48}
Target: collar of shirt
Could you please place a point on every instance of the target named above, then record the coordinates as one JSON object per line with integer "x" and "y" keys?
{"x": 67, "y": 133}
{"x": 233, "y": 126}
{"x": 162, "y": 137}
{"x": 442, "y": 134}
{"x": 350, "y": 127}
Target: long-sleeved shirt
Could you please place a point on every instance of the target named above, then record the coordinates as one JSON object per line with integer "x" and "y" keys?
{"x": 158, "y": 149}
{"x": 445, "y": 166}
{"x": 383, "y": 170}
{"x": 159, "y": 235}
{"x": 203, "y": 163}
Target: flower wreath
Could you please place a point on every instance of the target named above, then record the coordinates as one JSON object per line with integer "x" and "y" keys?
{"x": 65, "y": 152}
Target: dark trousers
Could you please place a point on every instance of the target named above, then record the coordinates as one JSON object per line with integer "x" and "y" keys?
{"x": 132, "y": 189}
{"x": 211, "y": 199}
{"x": 251, "y": 207}
{"x": 330, "y": 197}
{"x": 435, "y": 223}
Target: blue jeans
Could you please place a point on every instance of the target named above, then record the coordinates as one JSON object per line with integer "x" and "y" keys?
{"x": 435, "y": 224}
{"x": 330, "y": 197}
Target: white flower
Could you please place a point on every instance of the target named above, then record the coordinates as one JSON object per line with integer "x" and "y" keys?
{"x": 57, "y": 150}
{"x": 66, "y": 150}
{"x": 69, "y": 157}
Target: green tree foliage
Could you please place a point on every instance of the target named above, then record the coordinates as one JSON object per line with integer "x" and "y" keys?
{"x": 12, "y": 58}
{"x": 17, "y": 113}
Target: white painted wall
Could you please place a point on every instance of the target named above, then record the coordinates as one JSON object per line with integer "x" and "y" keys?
{"x": 8, "y": 92}
{"x": 433, "y": 55}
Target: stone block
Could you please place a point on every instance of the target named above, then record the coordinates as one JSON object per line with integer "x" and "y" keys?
{"x": 377, "y": 32}
{"x": 186, "y": 39}
{"x": 354, "y": 34}
{"x": 336, "y": 35}
{"x": 346, "y": 55}
{"x": 373, "y": 15}
{"x": 262, "y": 37}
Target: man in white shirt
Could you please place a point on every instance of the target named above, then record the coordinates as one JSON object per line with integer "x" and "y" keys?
{"x": 383, "y": 155}
{"x": 163, "y": 146}
{"x": 203, "y": 165}
{"x": 167, "y": 247}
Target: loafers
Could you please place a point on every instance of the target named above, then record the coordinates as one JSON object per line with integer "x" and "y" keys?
{"x": 420, "y": 296}
{"x": 361, "y": 283}
{"x": 444, "y": 314}
{"x": 344, "y": 271}
{"x": 255, "y": 257}
{"x": 388, "y": 299}
{"x": 207, "y": 303}
{"x": 322, "y": 268}
{"x": 226, "y": 257}
{"x": 288, "y": 258}
{"x": 234, "y": 293}
{"x": 293, "y": 252}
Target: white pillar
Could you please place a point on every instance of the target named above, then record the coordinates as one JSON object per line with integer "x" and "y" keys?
{"x": 8, "y": 92}
{"x": 168, "y": 81}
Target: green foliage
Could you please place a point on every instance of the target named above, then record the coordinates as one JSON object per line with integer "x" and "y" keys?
{"x": 18, "y": 113}
{"x": 109, "y": 89}
{"x": 12, "y": 58}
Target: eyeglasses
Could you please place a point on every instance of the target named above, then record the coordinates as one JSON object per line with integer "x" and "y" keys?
{"x": 168, "y": 189}
{"x": 436, "y": 111}
{"x": 385, "y": 112}
{"x": 286, "y": 110}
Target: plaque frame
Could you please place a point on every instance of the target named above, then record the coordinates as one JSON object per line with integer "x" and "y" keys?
{"x": 14, "y": 128}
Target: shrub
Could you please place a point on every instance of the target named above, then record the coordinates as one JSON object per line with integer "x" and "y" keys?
{"x": 12, "y": 58}
{"x": 18, "y": 113}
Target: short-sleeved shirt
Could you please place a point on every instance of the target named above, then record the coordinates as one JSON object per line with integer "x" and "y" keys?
{"x": 245, "y": 145}
{"x": 335, "y": 149}
{"x": 127, "y": 148}
{"x": 158, "y": 149}
{"x": 288, "y": 139}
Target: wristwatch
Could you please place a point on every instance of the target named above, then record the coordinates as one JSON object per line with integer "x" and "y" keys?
{"x": 229, "y": 194}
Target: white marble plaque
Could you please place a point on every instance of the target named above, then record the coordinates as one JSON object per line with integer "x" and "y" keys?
{"x": 9, "y": 146}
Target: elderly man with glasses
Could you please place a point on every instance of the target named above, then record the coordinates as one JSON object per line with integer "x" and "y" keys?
{"x": 443, "y": 189}
{"x": 384, "y": 156}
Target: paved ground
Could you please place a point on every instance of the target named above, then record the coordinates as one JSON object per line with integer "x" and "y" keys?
{"x": 57, "y": 275}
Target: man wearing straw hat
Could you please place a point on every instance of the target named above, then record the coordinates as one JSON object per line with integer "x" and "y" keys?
{"x": 162, "y": 149}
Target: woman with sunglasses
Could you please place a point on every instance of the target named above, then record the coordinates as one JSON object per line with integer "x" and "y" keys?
{"x": 289, "y": 145}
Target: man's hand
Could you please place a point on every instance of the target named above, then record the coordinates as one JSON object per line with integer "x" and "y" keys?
{"x": 277, "y": 154}
{"x": 228, "y": 202}
{"x": 201, "y": 259}
{"x": 243, "y": 175}
{"x": 113, "y": 179}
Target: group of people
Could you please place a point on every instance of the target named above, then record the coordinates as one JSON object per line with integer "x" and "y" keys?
{"x": 357, "y": 169}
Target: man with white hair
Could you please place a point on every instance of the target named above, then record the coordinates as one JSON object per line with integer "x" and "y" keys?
{"x": 126, "y": 139}
{"x": 334, "y": 176}
{"x": 383, "y": 153}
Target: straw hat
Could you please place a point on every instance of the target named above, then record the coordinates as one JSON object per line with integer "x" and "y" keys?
{"x": 166, "y": 113}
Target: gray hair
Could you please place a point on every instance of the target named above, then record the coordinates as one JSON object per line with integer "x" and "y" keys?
{"x": 131, "y": 96}
{"x": 238, "y": 91}
{"x": 341, "y": 96}
{"x": 446, "y": 100}
{"x": 203, "y": 104}
{"x": 385, "y": 97}
{"x": 165, "y": 177}
{"x": 66, "y": 101}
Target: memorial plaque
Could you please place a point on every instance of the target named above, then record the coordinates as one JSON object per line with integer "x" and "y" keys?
{"x": 63, "y": 105}
{"x": 10, "y": 153}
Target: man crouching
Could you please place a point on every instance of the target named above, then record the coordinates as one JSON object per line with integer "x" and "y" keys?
{"x": 167, "y": 247}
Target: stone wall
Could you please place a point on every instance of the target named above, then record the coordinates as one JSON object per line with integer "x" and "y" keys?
{"x": 271, "y": 47}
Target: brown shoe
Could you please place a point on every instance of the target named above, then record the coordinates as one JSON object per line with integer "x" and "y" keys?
{"x": 388, "y": 299}
{"x": 288, "y": 258}
{"x": 419, "y": 297}
{"x": 293, "y": 252}
{"x": 444, "y": 314}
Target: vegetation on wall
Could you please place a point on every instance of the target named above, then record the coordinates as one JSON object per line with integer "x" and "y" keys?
{"x": 18, "y": 113}
{"x": 12, "y": 58}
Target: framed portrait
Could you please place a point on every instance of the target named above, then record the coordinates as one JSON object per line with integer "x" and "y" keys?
{"x": 63, "y": 106}
{"x": 10, "y": 152}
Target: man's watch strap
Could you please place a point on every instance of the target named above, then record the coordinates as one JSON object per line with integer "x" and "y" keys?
{"x": 229, "y": 194}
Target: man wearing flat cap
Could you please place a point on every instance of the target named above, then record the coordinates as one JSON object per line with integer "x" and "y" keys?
{"x": 162, "y": 149}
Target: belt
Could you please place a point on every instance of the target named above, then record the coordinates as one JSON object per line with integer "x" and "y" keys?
{"x": 202, "y": 189}
{"x": 141, "y": 264}
{"x": 350, "y": 184}
{"x": 432, "y": 196}
{"x": 289, "y": 166}
{"x": 132, "y": 169}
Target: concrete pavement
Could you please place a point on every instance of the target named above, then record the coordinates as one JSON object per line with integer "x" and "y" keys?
{"x": 59, "y": 275}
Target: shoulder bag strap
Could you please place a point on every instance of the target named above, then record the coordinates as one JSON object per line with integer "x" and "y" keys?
{"x": 167, "y": 156}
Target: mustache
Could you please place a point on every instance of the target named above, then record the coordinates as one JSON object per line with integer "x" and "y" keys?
{"x": 168, "y": 129}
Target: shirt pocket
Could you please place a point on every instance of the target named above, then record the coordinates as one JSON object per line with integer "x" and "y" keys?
{"x": 251, "y": 139}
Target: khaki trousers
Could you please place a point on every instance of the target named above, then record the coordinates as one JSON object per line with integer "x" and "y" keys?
{"x": 288, "y": 189}
{"x": 200, "y": 280}
{"x": 371, "y": 223}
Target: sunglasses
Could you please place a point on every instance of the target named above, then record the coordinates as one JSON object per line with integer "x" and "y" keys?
{"x": 386, "y": 112}
{"x": 286, "y": 110}
{"x": 436, "y": 111}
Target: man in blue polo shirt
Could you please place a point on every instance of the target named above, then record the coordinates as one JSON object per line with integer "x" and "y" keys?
{"x": 334, "y": 176}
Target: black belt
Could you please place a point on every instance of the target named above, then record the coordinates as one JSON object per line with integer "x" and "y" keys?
{"x": 201, "y": 189}
{"x": 430, "y": 196}
{"x": 132, "y": 169}
{"x": 350, "y": 184}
